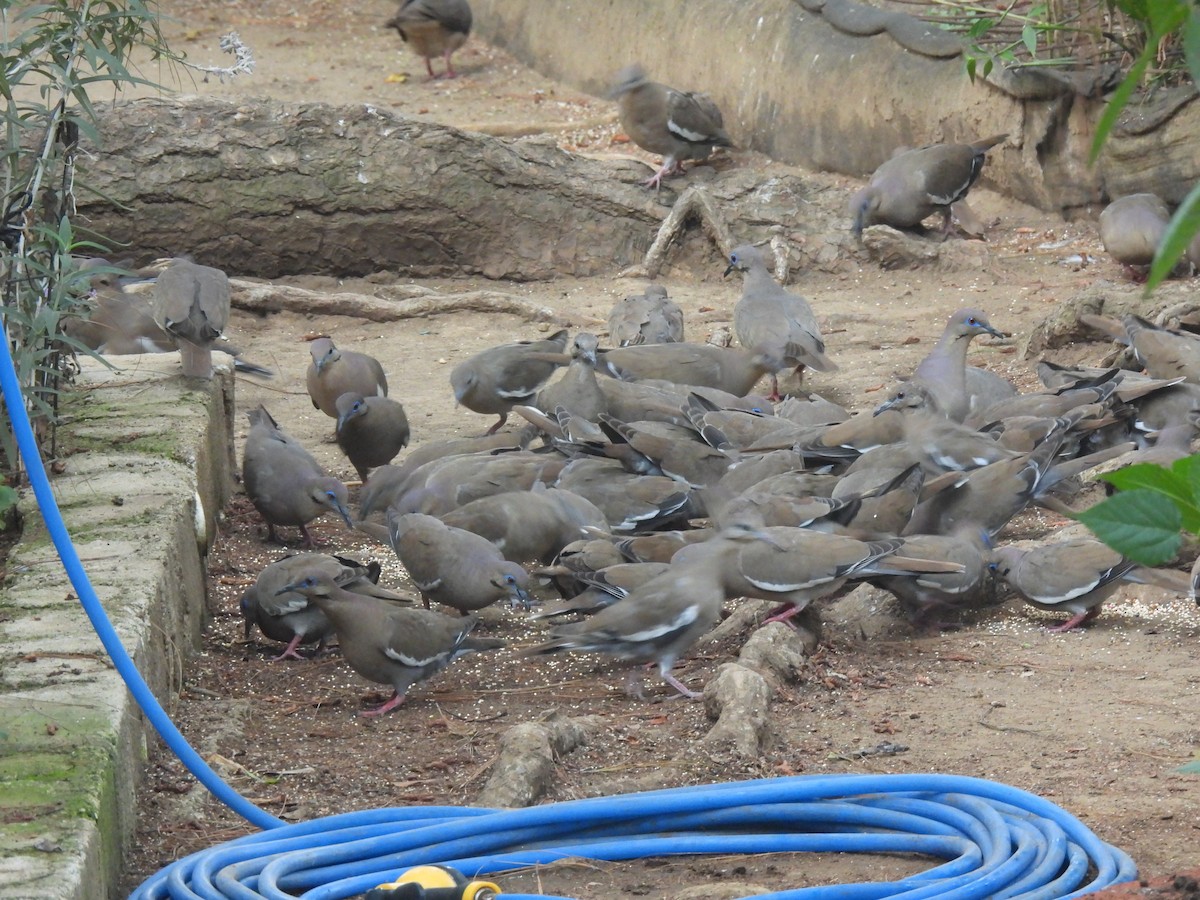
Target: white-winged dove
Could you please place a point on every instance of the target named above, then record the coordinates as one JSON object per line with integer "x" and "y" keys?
{"x": 387, "y": 483}
{"x": 654, "y": 448}
{"x": 390, "y": 644}
{"x": 629, "y": 502}
{"x": 529, "y": 525}
{"x": 647, "y": 318}
{"x": 433, "y": 28}
{"x": 191, "y": 303}
{"x": 581, "y": 557}
{"x": 944, "y": 444}
{"x": 678, "y": 125}
{"x": 913, "y": 185}
{"x": 1164, "y": 353}
{"x": 1074, "y": 576}
{"x": 576, "y": 390}
{"x": 495, "y": 380}
{"x": 121, "y": 321}
{"x": 797, "y": 566}
{"x": 925, "y": 596}
{"x": 443, "y": 485}
{"x": 660, "y": 620}
{"x": 987, "y": 497}
{"x": 454, "y": 567}
{"x": 370, "y": 430}
{"x": 772, "y": 322}
{"x": 289, "y": 617}
{"x": 748, "y": 472}
{"x": 661, "y": 546}
{"x": 724, "y": 368}
{"x": 1131, "y": 228}
{"x": 285, "y": 484}
{"x": 334, "y": 372}
{"x": 604, "y": 587}
{"x": 943, "y": 370}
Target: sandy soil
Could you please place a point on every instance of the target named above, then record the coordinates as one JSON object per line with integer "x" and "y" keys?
{"x": 1098, "y": 720}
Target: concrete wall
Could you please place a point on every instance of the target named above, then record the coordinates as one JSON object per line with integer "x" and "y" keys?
{"x": 72, "y": 743}
{"x": 796, "y": 88}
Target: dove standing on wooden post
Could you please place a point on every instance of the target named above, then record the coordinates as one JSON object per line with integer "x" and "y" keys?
{"x": 334, "y": 372}
{"x": 771, "y": 321}
{"x": 433, "y": 28}
{"x": 191, "y": 303}
{"x": 678, "y": 125}
{"x": 285, "y": 484}
{"x": 913, "y": 185}
{"x": 390, "y": 644}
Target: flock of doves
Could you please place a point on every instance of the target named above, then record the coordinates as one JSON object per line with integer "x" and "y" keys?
{"x": 624, "y": 451}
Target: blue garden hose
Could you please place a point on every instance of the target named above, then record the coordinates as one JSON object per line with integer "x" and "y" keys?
{"x": 998, "y": 842}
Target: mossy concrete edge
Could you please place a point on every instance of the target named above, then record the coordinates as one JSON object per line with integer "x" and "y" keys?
{"x": 147, "y": 458}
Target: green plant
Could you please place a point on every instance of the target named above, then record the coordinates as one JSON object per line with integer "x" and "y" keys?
{"x": 55, "y": 56}
{"x": 1143, "y": 520}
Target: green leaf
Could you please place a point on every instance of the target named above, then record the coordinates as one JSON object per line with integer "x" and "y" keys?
{"x": 1166, "y": 16}
{"x": 1140, "y": 524}
{"x": 1191, "y": 45}
{"x": 1184, "y": 226}
{"x": 1120, "y": 98}
{"x": 1029, "y": 37}
{"x": 1153, "y": 477}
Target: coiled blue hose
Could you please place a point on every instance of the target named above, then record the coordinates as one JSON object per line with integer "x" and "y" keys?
{"x": 999, "y": 842}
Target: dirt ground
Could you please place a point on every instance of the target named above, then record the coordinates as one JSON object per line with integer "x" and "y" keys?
{"x": 1097, "y": 720}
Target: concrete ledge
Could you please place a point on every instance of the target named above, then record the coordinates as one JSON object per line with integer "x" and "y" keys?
{"x": 147, "y": 469}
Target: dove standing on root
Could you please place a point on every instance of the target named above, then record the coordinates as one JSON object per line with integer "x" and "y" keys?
{"x": 433, "y": 28}
{"x": 370, "y": 430}
{"x": 455, "y": 567}
{"x": 678, "y": 125}
{"x": 334, "y": 372}
{"x": 499, "y": 378}
{"x": 389, "y": 644}
{"x": 662, "y": 618}
{"x": 290, "y": 618}
{"x": 913, "y": 185}
{"x": 191, "y": 303}
{"x": 285, "y": 484}
{"x": 647, "y": 318}
{"x": 773, "y": 322}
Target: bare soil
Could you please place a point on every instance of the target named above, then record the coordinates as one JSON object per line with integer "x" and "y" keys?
{"x": 1097, "y": 720}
